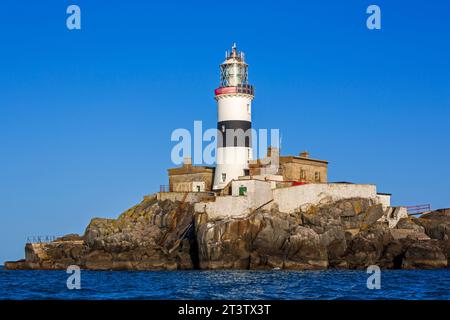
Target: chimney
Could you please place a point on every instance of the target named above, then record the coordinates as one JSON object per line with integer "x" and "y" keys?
{"x": 187, "y": 161}
{"x": 273, "y": 152}
{"x": 304, "y": 154}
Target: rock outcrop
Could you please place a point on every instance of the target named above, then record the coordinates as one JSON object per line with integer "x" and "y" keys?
{"x": 153, "y": 235}
{"x": 260, "y": 241}
{"x": 436, "y": 224}
{"x": 156, "y": 235}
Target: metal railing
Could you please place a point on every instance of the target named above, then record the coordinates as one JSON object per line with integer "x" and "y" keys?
{"x": 418, "y": 209}
{"x": 245, "y": 89}
{"x": 41, "y": 239}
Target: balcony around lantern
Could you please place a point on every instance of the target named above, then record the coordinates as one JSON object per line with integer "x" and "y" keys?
{"x": 240, "y": 88}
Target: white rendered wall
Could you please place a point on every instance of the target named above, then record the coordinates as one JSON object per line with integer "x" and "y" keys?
{"x": 234, "y": 156}
{"x": 258, "y": 194}
{"x": 232, "y": 161}
{"x": 272, "y": 178}
{"x": 291, "y": 198}
{"x": 288, "y": 200}
{"x": 234, "y": 107}
{"x": 385, "y": 200}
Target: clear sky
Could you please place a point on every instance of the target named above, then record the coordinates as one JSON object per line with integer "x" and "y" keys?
{"x": 86, "y": 115}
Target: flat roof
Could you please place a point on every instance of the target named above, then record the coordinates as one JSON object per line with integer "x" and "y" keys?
{"x": 187, "y": 169}
{"x": 305, "y": 159}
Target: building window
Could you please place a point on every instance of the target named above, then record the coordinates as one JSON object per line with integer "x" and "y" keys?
{"x": 317, "y": 176}
{"x": 224, "y": 177}
{"x": 302, "y": 174}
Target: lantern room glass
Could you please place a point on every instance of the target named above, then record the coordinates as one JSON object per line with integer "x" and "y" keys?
{"x": 233, "y": 74}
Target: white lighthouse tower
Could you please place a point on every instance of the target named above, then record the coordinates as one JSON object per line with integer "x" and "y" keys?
{"x": 234, "y": 101}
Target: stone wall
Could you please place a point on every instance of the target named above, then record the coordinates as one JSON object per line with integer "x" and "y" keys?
{"x": 187, "y": 177}
{"x": 292, "y": 168}
{"x": 184, "y": 182}
{"x": 192, "y": 197}
{"x": 292, "y": 171}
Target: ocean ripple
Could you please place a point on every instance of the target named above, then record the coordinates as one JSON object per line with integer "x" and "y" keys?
{"x": 226, "y": 284}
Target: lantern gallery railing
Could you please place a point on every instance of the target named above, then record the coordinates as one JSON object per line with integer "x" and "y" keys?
{"x": 244, "y": 89}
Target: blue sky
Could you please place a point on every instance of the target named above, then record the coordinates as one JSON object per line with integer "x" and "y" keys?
{"x": 86, "y": 116}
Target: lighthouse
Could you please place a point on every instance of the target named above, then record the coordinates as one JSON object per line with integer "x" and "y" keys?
{"x": 234, "y": 106}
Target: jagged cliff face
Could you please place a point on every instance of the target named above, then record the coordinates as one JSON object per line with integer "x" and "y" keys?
{"x": 263, "y": 240}
{"x": 157, "y": 235}
{"x": 344, "y": 234}
{"x": 151, "y": 235}
{"x": 145, "y": 237}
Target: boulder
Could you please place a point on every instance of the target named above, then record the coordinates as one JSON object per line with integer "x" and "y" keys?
{"x": 424, "y": 255}
{"x": 445, "y": 247}
{"x": 367, "y": 247}
{"x": 410, "y": 223}
{"x": 227, "y": 244}
{"x": 436, "y": 224}
{"x": 408, "y": 233}
{"x": 303, "y": 250}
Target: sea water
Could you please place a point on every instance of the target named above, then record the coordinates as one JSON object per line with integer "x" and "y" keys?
{"x": 227, "y": 284}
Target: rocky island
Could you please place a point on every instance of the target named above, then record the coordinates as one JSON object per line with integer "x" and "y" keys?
{"x": 171, "y": 235}
{"x": 278, "y": 211}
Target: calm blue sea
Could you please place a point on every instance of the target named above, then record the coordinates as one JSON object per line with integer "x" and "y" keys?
{"x": 395, "y": 284}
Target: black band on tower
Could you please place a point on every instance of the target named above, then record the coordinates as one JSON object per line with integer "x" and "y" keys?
{"x": 234, "y": 133}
